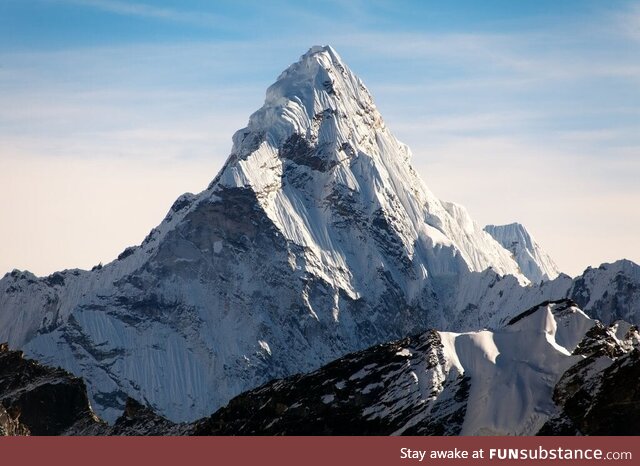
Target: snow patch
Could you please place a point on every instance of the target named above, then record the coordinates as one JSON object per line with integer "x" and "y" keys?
{"x": 327, "y": 399}
{"x": 265, "y": 346}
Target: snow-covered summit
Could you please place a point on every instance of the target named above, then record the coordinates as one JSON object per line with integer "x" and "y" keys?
{"x": 309, "y": 98}
{"x": 318, "y": 144}
{"x": 316, "y": 239}
{"x": 534, "y": 262}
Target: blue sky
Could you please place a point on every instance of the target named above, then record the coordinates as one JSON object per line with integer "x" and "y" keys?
{"x": 522, "y": 111}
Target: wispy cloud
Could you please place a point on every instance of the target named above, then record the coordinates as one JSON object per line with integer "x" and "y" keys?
{"x": 144, "y": 10}
{"x": 627, "y": 21}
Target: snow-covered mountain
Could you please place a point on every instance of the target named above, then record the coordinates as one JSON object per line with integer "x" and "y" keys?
{"x": 534, "y": 262}
{"x": 608, "y": 293}
{"x": 316, "y": 239}
{"x": 550, "y": 370}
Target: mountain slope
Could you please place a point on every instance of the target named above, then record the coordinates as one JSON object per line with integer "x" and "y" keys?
{"x": 608, "y": 293}
{"x": 551, "y": 370}
{"x": 38, "y": 400}
{"x": 533, "y": 261}
{"x": 536, "y": 375}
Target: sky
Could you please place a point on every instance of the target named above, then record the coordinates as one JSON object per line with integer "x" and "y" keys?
{"x": 523, "y": 111}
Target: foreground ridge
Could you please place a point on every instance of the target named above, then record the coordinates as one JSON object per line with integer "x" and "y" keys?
{"x": 442, "y": 383}
{"x": 580, "y": 377}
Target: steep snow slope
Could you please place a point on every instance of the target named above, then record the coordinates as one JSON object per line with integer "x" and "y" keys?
{"x": 41, "y": 400}
{"x": 513, "y": 370}
{"x": 608, "y": 293}
{"x": 611, "y": 290}
{"x": 534, "y": 262}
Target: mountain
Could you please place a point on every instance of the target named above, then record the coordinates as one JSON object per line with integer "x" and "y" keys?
{"x": 608, "y": 293}
{"x": 316, "y": 239}
{"x": 533, "y": 261}
{"x": 598, "y": 395}
{"x": 611, "y": 290}
{"x": 551, "y": 370}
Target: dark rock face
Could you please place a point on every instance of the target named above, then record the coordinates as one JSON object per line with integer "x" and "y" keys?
{"x": 10, "y": 425}
{"x": 615, "y": 408}
{"x": 138, "y": 419}
{"x": 372, "y": 392}
{"x": 563, "y": 304}
{"x": 38, "y": 400}
{"x": 301, "y": 152}
{"x": 599, "y": 395}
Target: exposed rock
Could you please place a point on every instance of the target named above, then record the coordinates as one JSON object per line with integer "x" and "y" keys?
{"x": 138, "y": 419}
{"x": 373, "y": 392}
{"x": 600, "y": 395}
{"x": 39, "y": 400}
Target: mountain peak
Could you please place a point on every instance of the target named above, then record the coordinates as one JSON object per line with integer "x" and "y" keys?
{"x": 317, "y": 58}
{"x": 318, "y": 151}
{"x": 317, "y": 100}
{"x": 533, "y": 261}
{"x": 315, "y": 49}
{"x": 325, "y": 55}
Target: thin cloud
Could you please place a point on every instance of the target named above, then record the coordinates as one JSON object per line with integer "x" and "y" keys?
{"x": 143, "y": 10}
{"x": 627, "y": 22}
{"x": 527, "y": 55}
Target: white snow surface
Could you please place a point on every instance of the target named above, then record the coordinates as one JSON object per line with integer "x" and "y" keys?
{"x": 321, "y": 100}
{"x": 514, "y": 370}
{"x": 533, "y": 261}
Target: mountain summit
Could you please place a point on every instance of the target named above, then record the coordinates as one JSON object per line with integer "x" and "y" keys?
{"x": 533, "y": 261}
{"x": 317, "y": 238}
{"x": 323, "y": 166}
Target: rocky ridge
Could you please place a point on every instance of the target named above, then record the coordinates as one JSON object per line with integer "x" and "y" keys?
{"x": 580, "y": 376}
